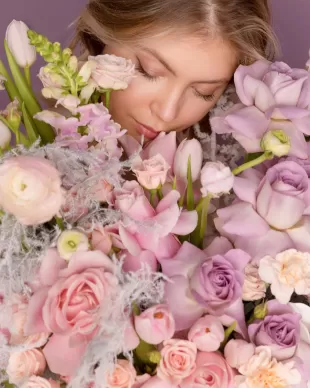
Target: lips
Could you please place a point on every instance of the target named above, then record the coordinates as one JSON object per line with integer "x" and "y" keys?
{"x": 147, "y": 131}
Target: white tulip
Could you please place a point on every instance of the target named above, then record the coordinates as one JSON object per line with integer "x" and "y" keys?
{"x": 5, "y": 136}
{"x": 18, "y": 42}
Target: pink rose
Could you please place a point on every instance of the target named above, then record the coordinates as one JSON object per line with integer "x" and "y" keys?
{"x": 123, "y": 375}
{"x": 25, "y": 364}
{"x": 103, "y": 238}
{"x": 88, "y": 282}
{"x": 140, "y": 380}
{"x": 30, "y": 189}
{"x": 151, "y": 173}
{"x": 216, "y": 179}
{"x": 211, "y": 371}
{"x": 237, "y": 352}
{"x": 40, "y": 382}
{"x": 156, "y": 382}
{"x": 207, "y": 333}
{"x": 155, "y": 324}
{"x": 112, "y": 72}
{"x": 178, "y": 361}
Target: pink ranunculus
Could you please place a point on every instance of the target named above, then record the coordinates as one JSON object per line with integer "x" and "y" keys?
{"x": 216, "y": 179}
{"x": 30, "y": 189}
{"x": 123, "y": 375}
{"x": 25, "y": 364}
{"x": 88, "y": 282}
{"x": 112, "y": 72}
{"x": 237, "y": 352}
{"x": 155, "y": 325}
{"x": 165, "y": 144}
{"x": 151, "y": 173}
{"x": 211, "y": 371}
{"x": 207, "y": 333}
{"x": 178, "y": 360}
{"x": 266, "y": 85}
{"x": 40, "y": 382}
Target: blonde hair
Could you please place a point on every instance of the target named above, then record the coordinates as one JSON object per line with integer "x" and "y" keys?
{"x": 244, "y": 23}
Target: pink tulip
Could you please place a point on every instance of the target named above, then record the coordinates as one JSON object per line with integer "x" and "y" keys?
{"x": 165, "y": 144}
{"x": 207, "y": 333}
{"x": 136, "y": 262}
{"x": 155, "y": 325}
{"x": 188, "y": 149}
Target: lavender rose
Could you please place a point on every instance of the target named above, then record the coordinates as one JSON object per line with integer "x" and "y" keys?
{"x": 280, "y": 330}
{"x": 217, "y": 282}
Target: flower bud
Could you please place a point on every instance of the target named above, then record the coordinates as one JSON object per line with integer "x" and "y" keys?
{"x": 12, "y": 114}
{"x": 277, "y": 142}
{"x": 260, "y": 311}
{"x": 73, "y": 64}
{"x": 71, "y": 241}
{"x": 216, "y": 179}
{"x": 5, "y": 136}
{"x": 207, "y": 333}
{"x": 19, "y": 45}
{"x": 188, "y": 148}
{"x": 86, "y": 70}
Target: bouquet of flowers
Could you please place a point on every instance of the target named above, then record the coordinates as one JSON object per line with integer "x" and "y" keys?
{"x": 116, "y": 269}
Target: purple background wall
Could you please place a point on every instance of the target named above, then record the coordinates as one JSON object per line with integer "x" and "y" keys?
{"x": 53, "y": 17}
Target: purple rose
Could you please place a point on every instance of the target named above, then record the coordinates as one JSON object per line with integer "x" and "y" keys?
{"x": 280, "y": 330}
{"x": 217, "y": 282}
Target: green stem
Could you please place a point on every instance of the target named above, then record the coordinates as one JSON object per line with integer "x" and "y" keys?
{"x": 160, "y": 194}
{"x": 204, "y": 215}
{"x": 107, "y": 98}
{"x": 265, "y": 156}
{"x": 60, "y": 223}
{"x": 27, "y": 75}
{"x": 147, "y": 353}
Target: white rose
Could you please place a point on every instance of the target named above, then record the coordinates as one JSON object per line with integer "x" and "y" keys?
{"x": 289, "y": 271}
{"x": 112, "y": 72}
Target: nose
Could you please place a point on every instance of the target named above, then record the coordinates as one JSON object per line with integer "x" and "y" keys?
{"x": 166, "y": 106}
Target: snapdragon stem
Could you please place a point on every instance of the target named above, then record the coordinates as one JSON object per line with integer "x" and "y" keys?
{"x": 107, "y": 98}
{"x": 265, "y": 156}
{"x": 27, "y": 75}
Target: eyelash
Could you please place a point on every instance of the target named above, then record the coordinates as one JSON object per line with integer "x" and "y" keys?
{"x": 153, "y": 78}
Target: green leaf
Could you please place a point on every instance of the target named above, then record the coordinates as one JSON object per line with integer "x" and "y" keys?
{"x": 228, "y": 333}
{"x": 32, "y": 135}
{"x": 189, "y": 192}
{"x": 9, "y": 84}
{"x": 45, "y": 131}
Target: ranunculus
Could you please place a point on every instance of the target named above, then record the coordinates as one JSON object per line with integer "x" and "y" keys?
{"x": 264, "y": 371}
{"x": 216, "y": 179}
{"x": 237, "y": 352}
{"x": 89, "y": 283}
{"x": 254, "y": 288}
{"x": 207, "y": 333}
{"x": 123, "y": 375}
{"x": 25, "y": 364}
{"x": 178, "y": 360}
{"x": 188, "y": 149}
{"x": 30, "y": 189}
{"x": 212, "y": 284}
{"x": 155, "y": 325}
{"x": 19, "y": 44}
{"x": 212, "y": 370}
{"x": 112, "y": 72}
{"x": 280, "y": 330}
{"x": 289, "y": 271}
{"x": 151, "y": 173}
{"x": 40, "y": 382}
{"x": 70, "y": 242}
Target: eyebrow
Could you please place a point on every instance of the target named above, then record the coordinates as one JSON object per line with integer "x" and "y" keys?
{"x": 155, "y": 54}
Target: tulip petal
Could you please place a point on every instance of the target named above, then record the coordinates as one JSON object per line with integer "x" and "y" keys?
{"x": 34, "y": 323}
{"x": 186, "y": 224}
{"x": 218, "y": 246}
{"x": 60, "y": 357}
{"x": 184, "y": 308}
{"x": 235, "y": 313}
{"x": 169, "y": 200}
{"x": 129, "y": 241}
{"x": 249, "y": 122}
{"x": 246, "y": 185}
{"x": 300, "y": 234}
{"x": 167, "y": 247}
{"x": 133, "y": 263}
{"x": 259, "y": 93}
{"x": 164, "y": 144}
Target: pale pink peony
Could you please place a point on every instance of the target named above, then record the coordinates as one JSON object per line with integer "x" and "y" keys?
{"x": 30, "y": 189}
{"x": 25, "y": 364}
{"x": 178, "y": 361}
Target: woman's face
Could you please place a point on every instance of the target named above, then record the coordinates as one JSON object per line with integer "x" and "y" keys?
{"x": 178, "y": 81}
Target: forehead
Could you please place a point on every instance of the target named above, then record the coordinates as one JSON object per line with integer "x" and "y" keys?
{"x": 195, "y": 57}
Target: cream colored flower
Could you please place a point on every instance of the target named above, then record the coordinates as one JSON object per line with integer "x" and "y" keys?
{"x": 71, "y": 241}
{"x": 254, "y": 288}
{"x": 289, "y": 271}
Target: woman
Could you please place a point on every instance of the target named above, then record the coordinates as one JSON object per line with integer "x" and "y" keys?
{"x": 185, "y": 52}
